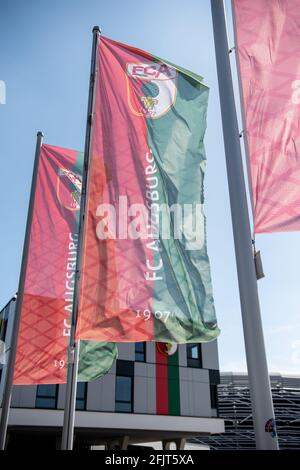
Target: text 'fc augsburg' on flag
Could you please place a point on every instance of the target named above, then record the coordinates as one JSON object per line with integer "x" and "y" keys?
{"x": 50, "y": 272}
{"x": 145, "y": 270}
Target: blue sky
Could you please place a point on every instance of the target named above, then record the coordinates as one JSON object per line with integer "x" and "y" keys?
{"x": 44, "y": 60}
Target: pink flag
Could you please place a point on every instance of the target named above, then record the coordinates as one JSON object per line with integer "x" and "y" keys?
{"x": 268, "y": 41}
{"x": 50, "y": 271}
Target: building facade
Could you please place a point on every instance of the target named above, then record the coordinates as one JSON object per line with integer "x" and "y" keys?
{"x": 153, "y": 392}
{"x": 235, "y": 409}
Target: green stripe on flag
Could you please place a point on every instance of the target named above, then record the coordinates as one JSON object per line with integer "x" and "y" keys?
{"x": 184, "y": 290}
{"x": 173, "y": 385}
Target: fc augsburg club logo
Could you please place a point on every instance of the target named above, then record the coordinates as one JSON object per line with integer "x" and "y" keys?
{"x": 151, "y": 88}
{"x": 167, "y": 349}
{"x": 69, "y": 189}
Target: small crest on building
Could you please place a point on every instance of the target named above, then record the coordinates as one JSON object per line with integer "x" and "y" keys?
{"x": 167, "y": 349}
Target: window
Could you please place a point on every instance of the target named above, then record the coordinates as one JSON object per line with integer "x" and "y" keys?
{"x": 124, "y": 394}
{"x": 124, "y": 386}
{"x": 140, "y": 352}
{"x": 3, "y": 329}
{"x": 125, "y": 368}
{"x": 214, "y": 380}
{"x": 46, "y": 396}
{"x": 214, "y": 376}
{"x": 194, "y": 355}
{"x": 214, "y": 396}
{"x": 81, "y": 395}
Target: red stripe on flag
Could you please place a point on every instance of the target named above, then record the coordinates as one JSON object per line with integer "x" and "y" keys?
{"x": 162, "y": 399}
{"x": 116, "y": 295}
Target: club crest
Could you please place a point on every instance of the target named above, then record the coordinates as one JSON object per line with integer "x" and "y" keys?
{"x": 167, "y": 349}
{"x": 151, "y": 88}
{"x": 69, "y": 189}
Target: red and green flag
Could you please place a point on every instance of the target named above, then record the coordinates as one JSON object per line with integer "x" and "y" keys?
{"x": 50, "y": 273}
{"x": 145, "y": 269}
{"x": 167, "y": 379}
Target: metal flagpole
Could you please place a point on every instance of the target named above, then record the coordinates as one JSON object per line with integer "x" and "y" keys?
{"x": 73, "y": 352}
{"x": 17, "y": 317}
{"x": 261, "y": 399}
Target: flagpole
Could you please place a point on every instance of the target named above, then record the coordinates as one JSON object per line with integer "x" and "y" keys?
{"x": 10, "y": 367}
{"x": 259, "y": 382}
{"x": 73, "y": 350}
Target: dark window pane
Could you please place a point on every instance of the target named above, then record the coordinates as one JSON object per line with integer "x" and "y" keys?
{"x": 81, "y": 396}
{"x": 192, "y": 351}
{"x": 140, "y": 357}
{"x": 194, "y": 355}
{"x": 123, "y": 388}
{"x": 46, "y": 391}
{"x": 214, "y": 377}
{"x": 46, "y": 396}
{"x": 125, "y": 368}
{"x": 139, "y": 347}
{"x": 140, "y": 352}
{"x": 3, "y": 329}
{"x": 81, "y": 390}
{"x": 123, "y": 407}
{"x": 214, "y": 396}
{"x": 80, "y": 404}
{"x": 45, "y": 403}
